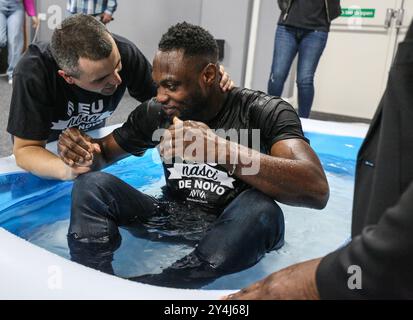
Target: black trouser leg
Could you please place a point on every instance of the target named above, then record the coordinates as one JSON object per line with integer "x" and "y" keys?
{"x": 250, "y": 226}
{"x": 100, "y": 203}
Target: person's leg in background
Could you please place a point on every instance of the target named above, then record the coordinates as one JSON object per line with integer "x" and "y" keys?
{"x": 285, "y": 50}
{"x": 100, "y": 204}
{"x": 3, "y": 26}
{"x": 310, "y": 50}
{"x": 250, "y": 226}
{"x": 15, "y": 36}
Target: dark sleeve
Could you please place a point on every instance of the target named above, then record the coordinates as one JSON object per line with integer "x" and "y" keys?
{"x": 283, "y": 4}
{"x": 31, "y": 104}
{"x": 137, "y": 134}
{"x": 138, "y": 71}
{"x": 384, "y": 254}
{"x": 277, "y": 121}
{"x": 335, "y": 9}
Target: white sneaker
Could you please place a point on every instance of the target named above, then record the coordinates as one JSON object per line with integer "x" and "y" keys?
{"x": 10, "y": 81}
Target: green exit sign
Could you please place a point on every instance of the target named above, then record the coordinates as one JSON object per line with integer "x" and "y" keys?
{"x": 358, "y": 13}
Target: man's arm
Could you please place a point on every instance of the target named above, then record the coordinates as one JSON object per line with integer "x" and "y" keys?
{"x": 32, "y": 156}
{"x": 79, "y": 154}
{"x": 31, "y": 107}
{"x": 297, "y": 282}
{"x": 291, "y": 174}
{"x": 382, "y": 253}
{"x": 106, "y": 16}
{"x": 134, "y": 137}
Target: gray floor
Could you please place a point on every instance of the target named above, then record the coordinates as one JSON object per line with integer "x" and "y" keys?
{"x": 5, "y": 95}
{"x": 126, "y": 106}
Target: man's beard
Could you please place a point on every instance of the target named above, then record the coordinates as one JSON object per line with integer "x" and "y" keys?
{"x": 196, "y": 108}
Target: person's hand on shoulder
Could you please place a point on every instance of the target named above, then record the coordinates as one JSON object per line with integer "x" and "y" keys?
{"x": 226, "y": 83}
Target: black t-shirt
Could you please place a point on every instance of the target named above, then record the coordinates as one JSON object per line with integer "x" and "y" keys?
{"x": 209, "y": 185}
{"x": 43, "y": 103}
{"x": 307, "y": 14}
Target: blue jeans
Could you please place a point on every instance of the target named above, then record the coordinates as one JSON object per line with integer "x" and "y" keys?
{"x": 11, "y": 31}
{"x": 309, "y": 45}
{"x": 229, "y": 241}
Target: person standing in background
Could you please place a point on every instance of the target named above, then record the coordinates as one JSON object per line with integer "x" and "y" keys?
{"x": 11, "y": 29}
{"x": 97, "y": 8}
{"x": 302, "y": 28}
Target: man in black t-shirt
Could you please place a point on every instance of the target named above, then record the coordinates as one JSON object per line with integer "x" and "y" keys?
{"x": 220, "y": 186}
{"x": 77, "y": 81}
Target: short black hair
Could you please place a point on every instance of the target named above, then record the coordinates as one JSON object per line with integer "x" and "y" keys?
{"x": 194, "y": 40}
{"x": 79, "y": 36}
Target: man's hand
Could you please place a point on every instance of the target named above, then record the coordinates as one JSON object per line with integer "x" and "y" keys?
{"x": 78, "y": 151}
{"x": 296, "y": 282}
{"x": 72, "y": 172}
{"x": 226, "y": 83}
{"x": 192, "y": 141}
{"x": 106, "y": 18}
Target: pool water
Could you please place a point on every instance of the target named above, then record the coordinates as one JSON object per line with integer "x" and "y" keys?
{"x": 38, "y": 210}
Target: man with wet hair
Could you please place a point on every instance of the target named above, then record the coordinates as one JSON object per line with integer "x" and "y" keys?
{"x": 75, "y": 81}
{"x": 214, "y": 198}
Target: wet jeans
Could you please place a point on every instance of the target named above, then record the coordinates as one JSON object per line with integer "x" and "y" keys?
{"x": 309, "y": 45}
{"x": 237, "y": 238}
{"x": 11, "y": 31}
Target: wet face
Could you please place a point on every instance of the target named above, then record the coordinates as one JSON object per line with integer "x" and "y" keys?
{"x": 180, "y": 86}
{"x": 100, "y": 76}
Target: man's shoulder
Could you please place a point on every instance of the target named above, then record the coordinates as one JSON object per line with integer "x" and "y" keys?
{"x": 36, "y": 59}
{"x": 257, "y": 100}
{"x": 126, "y": 47}
{"x": 262, "y": 110}
{"x": 121, "y": 40}
{"x": 149, "y": 114}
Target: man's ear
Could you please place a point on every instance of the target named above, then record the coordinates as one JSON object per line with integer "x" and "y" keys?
{"x": 210, "y": 74}
{"x": 64, "y": 75}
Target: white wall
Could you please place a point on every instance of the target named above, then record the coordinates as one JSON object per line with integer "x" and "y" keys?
{"x": 143, "y": 22}
{"x": 229, "y": 20}
{"x": 48, "y": 9}
{"x": 269, "y": 13}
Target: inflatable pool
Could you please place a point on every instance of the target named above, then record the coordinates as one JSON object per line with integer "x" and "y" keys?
{"x": 34, "y": 213}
